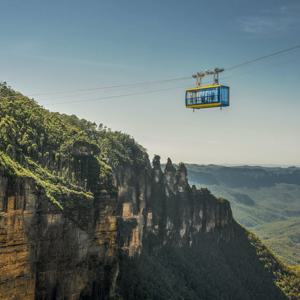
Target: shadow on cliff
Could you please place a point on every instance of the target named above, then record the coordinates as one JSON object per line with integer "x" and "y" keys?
{"x": 212, "y": 269}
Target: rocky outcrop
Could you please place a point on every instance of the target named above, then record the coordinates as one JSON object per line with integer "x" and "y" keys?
{"x": 46, "y": 253}
{"x": 173, "y": 213}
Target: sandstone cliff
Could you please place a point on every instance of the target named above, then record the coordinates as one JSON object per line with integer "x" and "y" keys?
{"x": 48, "y": 253}
{"x": 163, "y": 207}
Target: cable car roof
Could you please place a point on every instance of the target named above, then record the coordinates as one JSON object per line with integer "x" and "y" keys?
{"x": 208, "y": 86}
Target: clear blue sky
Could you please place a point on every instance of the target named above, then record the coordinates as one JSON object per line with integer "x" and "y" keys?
{"x": 54, "y": 46}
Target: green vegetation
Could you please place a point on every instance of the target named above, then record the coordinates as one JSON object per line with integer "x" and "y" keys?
{"x": 265, "y": 200}
{"x": 287, "y": 279}
{"x": 242, "y": 268}
{"x": 69, "y": 158}
{"x": 53, "y": 186}
{"x": 283, "y": 237}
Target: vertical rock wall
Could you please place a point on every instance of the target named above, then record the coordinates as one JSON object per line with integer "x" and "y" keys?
{"x": 167, "y": 210}
{"x": 17, "y": 274}
{"x": 46, "y": 253}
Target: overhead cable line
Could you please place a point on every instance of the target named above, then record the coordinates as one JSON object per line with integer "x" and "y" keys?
{"x": 262, "y": 58}
{"x": 157, "y": 81}
{"x": 114, "y": 86}
{"x": 119, "y": 96}
{"x": 175, "y": 79}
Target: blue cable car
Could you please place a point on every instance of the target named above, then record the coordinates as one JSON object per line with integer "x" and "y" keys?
{"x": 207, "y": 96}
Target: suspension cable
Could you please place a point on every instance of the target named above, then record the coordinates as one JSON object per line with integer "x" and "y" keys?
{"x": 154, "y": 82}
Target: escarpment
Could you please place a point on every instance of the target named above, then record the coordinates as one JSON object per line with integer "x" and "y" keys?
{"x": 48, "y": 253}
{"x": 85, "y": 215}
{"x": 162, "y": 206}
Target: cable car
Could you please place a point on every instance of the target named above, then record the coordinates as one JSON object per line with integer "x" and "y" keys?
{"x": 207, "y": 96}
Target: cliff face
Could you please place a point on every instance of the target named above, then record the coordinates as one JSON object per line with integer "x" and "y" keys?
{"x": 52, "y": 254}
{"x": 45, "y": 254}
{"x": 180, "y": 212}
{"x": 163, "y": 208}
{"x": 17, "y": 276}
{"x": 155, "y": 238}
{"x": 177, "y": 242}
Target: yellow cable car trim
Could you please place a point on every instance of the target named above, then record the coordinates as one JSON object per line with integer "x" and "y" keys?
{"x": 198, "y": 106}
{"x": 203, "y": 87}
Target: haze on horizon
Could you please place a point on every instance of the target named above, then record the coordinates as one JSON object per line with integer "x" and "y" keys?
{"x": 69, "y": 45}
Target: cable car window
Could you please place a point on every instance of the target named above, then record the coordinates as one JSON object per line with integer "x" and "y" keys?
{"x": 210, "y": 96}
{"x": 225, "y": 95}
{"x": 207, "y": 96}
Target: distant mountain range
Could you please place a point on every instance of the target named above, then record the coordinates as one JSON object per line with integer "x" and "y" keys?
{"x": 266, "y": 200}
